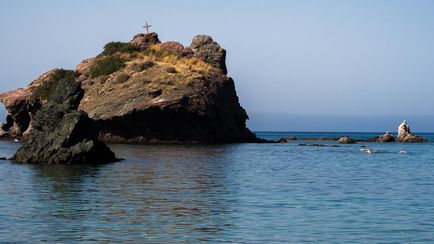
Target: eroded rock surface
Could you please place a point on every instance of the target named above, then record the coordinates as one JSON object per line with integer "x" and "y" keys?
{"x": 63, "y": 135}
{"x": 159, "y": 92}
{"x": 210, "y": 51}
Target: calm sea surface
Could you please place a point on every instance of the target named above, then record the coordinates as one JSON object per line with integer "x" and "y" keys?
{"x": 243, "y": 193}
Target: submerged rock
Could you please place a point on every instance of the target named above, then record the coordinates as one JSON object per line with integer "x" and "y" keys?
{"x": 63, "y": 135}
{"x": 405, "y": 135}
{"x": 346, "y": 140}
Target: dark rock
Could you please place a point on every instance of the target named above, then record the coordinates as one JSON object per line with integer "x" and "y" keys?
{"x": 405, "y": 135}
{"x": 187, "y": 52}
{"x": 62, "y": 134}
{"x": 173, "y": 47}
{"x": 346, "y": 140}
{"x": 21, "y": 107}
{"x": 286, "y": 139}
{"x": 210, "y": 51}
{"x": 384, "y": 138}
{"x": 311, "y": 145}
{"x": 3, "y": 158}
{"x": 144, "y": 41}
{"x": 321, "y": 139}
{"x": 155, "y": 93}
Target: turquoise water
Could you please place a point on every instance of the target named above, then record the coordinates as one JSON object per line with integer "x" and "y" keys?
{"x": 243, "y": 193}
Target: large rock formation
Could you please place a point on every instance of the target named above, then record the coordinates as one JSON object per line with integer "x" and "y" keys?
{"x": 405, "y": 135}
{"x": 148, "y": 91}
{"x": 63, "y": 135}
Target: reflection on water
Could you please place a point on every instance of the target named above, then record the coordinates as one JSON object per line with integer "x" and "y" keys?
{"x": 160, "y": 193}
{"x": 240, "y": 193}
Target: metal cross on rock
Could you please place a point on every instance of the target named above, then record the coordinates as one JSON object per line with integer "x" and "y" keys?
{"x": 147, "y": 26}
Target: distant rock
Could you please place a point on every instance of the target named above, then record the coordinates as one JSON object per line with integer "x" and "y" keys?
{"x": 405, "y": 135}
{"x": 174, "y": 47}
{"x": 346, "y": 140}
{"x": 286, "y": 139}
{"x": 320, "y": 139}
{"x": 384, "y": 138}
{"x": 144, "y": 41}
{"x": 210, "y": 51}
{"x": 316, "y": 145}
{"x": 187, "y": 52}
{"x": 63, "y": 135}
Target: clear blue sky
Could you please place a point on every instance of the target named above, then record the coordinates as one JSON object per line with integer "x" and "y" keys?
{"x": 298, "y": 65}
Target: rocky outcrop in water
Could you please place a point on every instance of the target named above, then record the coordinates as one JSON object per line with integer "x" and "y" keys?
{"x": 346, "y": 140}
{"x": 405, "y": 135}
{"x": 148, "y": 91}
{"x": 286, "y": 139}
{"x": 384, "y": 138}
{"x": 63, "y": 135}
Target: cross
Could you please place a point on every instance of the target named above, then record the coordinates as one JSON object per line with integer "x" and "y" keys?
{"x": 146, "y": 26}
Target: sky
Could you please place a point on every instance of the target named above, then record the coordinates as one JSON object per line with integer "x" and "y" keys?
{"x": 298, "y": 65}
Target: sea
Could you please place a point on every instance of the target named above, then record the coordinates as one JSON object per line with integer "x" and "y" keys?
{"x": 233, "y": 193}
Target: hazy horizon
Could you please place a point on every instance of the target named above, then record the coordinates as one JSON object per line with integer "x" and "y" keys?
{"x": 297, "y": 65}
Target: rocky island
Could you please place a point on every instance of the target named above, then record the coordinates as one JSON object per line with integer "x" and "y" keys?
{"x": 144, "y": 91}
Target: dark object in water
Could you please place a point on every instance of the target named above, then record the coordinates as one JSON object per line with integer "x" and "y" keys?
{"x": 62, "y": 134}
{"x": 286, "y": 139}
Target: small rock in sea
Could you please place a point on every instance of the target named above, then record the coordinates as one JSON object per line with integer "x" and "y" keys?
{"x": 346, "y": 140}
{"x": 3, "y": 158}
{"x": 384, "y": 138}
{"x": 405, "y": 135}
{"x": 286, "y": 139}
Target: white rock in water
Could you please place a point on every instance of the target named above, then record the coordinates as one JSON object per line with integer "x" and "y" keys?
{"x": 404, "y": 134}
{"x": 403, "y": 129}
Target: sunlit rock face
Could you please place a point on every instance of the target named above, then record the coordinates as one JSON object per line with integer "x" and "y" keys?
{"x": 405, "y": 135}
{"x": 148, "y": 91}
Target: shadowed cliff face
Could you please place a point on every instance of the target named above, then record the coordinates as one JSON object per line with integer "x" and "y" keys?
{"x": 148, "y": 91}
{"x": 61, "y": 134}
